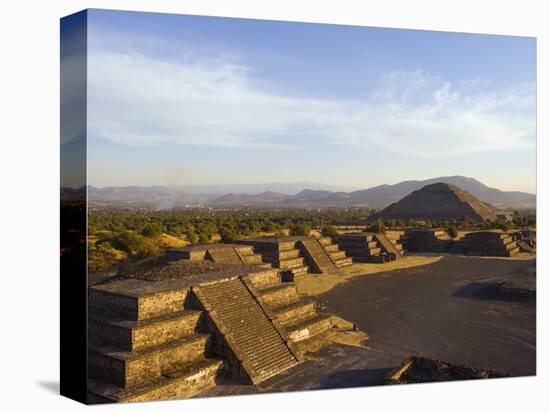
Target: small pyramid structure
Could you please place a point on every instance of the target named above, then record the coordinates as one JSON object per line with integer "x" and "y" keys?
{"x": 439, "y": 201}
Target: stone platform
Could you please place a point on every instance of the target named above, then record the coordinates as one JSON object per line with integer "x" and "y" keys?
{"x": 171, "y": 328}
{"x": 370, "y": 247}
{"x": 490, "y": 243}
{"x": 238, "y": 254}
{"x": 296, "y": 255}
{"x": 426, "y": 240}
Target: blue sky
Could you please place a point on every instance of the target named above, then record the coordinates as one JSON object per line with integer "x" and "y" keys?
{"x": 179, "y": 99}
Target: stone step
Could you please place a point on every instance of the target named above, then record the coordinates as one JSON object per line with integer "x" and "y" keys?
{"x": 279, "y": 295}
{"x": 325, "y": 241}
{"x": 355, "y": 238}
{"x": 386, "y": 245}
{"x": 514, "y": 251}
{"x": 137, "y": 335}
{"x": 337, "y": 255}
{"x": 362, "y": 251}
{"x": 295, "y": 310}
{"x": 347, "y": 261}
{"x": 265, "y": 353}
{"x": 220, "y": 255}
{"x": 131, "y": 368}
{"x": 184, "y": 383}
{"x": 264, "y": 279}
{"x": 317, "y": 258}
{"x": 248, "y": 331}
{"x": 302, "y": 329}
{"x": 358, "y": 245}
{"x": 114, "y": 300}
{"x": 251, "y": 341}
{"x": 282, "y": 254}
{"x": 272, "y": 364}
{"x": 331, "y": 248}
{"x": 285, "y": 264}
{"x": 244, "y": 250}
{"x": 252, "y": 260}
{"x": 299, "y": 270}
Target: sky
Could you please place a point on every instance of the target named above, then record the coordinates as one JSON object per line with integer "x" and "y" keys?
{"x": 179, "y": 100}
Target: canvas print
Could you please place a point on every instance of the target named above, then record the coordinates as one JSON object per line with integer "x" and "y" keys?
{"x": 281, "y": 206}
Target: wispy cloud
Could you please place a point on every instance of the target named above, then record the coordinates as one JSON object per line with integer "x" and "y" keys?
{"x": 136, "y": 99}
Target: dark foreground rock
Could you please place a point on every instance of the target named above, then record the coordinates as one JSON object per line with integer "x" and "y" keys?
{"x": 417, "y": 369}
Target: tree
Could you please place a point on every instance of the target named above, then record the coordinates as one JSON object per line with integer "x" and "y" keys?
{"x": 329, "y": 231}
{"x": 152, "y": 230}
{"x": 134, "y": 244}
{"x": 191, "y": 236}
{"x": 204, "y": 237}
{"x": 300, "y": 230}
{"x": 377, "y": 226}
{"x": 228, "y": 234}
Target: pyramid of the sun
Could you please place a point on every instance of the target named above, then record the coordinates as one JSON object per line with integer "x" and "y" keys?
{"x": 439, "y": 201}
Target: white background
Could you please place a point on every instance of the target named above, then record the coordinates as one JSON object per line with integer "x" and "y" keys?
{"x": 29, "y": 219}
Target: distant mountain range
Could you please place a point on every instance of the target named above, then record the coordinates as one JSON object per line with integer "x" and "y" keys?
{"x": 380, "y": 196}
{"x": 300, "y": 194}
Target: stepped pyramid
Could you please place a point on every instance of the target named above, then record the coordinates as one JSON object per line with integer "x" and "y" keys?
{"x": 370, "y": 247}
{"x": 439, "y": 201}
{"x": 427, "y": 240}
{"x": 237, "y": 254}
{"x": 168, "y": 329}
{"x": 490, "y": 243}
{"x": 299, "y": 254}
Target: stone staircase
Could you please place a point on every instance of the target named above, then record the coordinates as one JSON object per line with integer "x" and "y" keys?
{"x": 170, "y": 329}
{"x": 298, "y": 317}
{"x": 228, "y": 255}
{"x": 526, "y": 240}
{"x": 370, "y": 247}
{"x": 338, "y": 257}
{"x": 146, "y": 346}
{"x": 280, "y": 253}
{"x": 487, "y": 243}
{"x": 318, "y": 259}
{"x": 388, "y": 246}
{"x": 255, "y": 339}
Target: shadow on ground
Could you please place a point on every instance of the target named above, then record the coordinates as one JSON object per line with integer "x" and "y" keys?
{"x": 51, "y": 386}
{"x": 354, "y": 378}
{"x": 481, "y": 291}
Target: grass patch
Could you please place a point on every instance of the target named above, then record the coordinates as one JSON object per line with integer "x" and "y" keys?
{"x": 312, "y": 285}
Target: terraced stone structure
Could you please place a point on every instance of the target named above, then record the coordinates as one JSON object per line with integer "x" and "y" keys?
{"x": 237, "y": 254}
{"x": 169, "y": 329}
{"x": 526, "y": 240}
{"x": 426, "y": 240}
{"x": 370, "y": 247}
{"x": 489, "y": 243}
{"x": 298, "y": 255}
